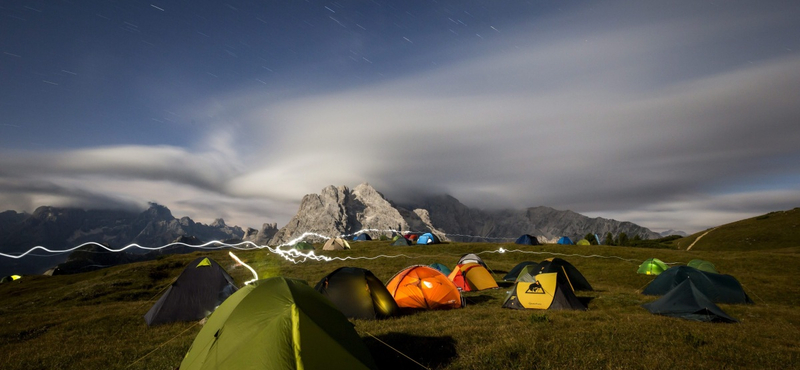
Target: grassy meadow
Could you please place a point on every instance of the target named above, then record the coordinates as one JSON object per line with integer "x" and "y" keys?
{"x": 94, "y": 320}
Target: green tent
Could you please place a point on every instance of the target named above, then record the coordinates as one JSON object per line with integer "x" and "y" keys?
{"x": 277, "y": 323}
{"x": 303, "y": 246}
{"x": 401, "y": 242}
{"x": 652, "y": 266}
{"x": 703, "y": 266}
{"x": 583, "y": 242}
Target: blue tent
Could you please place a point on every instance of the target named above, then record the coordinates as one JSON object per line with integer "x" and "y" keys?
{"x": 428, "y": 238}
{"x": 362, "y": 237}
{"x": 442, "y": 268}
{"x": 565, "y": 241}
{"x": 526, "y": 239}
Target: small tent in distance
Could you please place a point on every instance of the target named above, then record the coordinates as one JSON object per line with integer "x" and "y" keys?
{"x": 703, "y": 265}
{"x": 358, "y": 293}
{"x": 471, "y": 258}
{"x": 526, "y": 239}
{"x": 303, "y": 246}
{"x": 442, "y": 268}
{"x": 402, "y": 242}
{"x": 199, "y": 289}
{"x": 564, "y": 241}
{"x": 362, "y": 237}
{"x": 428, "y": 238}
{"x": 277, "y": 323}
{"x": 583, "y": 242}
{"x": 652, "y": 266}
{"x": 547, "y": 292}
{"x": 336, "y": 244}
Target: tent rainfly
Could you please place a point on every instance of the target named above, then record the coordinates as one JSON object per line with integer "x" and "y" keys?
{"x": 547, "y": 292}
{"x": 357, "y": 293}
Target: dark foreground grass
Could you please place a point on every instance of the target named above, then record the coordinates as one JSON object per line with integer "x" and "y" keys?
{"x": 94, "y": 320}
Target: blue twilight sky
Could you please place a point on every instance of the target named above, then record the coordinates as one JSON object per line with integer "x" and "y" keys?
{"x": 670, "y": 114}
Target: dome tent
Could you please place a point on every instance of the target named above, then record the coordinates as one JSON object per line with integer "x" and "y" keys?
{"x": 526, "y": 239}
{"x": 423, "y": 287}
{"x": 546, "y": 292}
{"x": 564, "y": 241}
{"x": 335, "y": 244}
{"x": 687, "y": 302}
{"x": 652, "y": 266}
{"x": 199, "y": 289}
{"x": 428, "y": 238}
{"x": 277, "y": 323}
{"x": 345, "y": 287}
{"x": 514, "y": 273}
{"x": 717, "y": 287}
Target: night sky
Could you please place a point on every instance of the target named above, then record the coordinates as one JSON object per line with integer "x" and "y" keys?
{"x": 681, "y": 114}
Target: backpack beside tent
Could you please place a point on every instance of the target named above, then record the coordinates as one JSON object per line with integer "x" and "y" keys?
{"x": 547, "y": 292}
{"x": 199, "y": 289}
{"x": 514, "y": 273}
{"x": 335, "y": 244}
{"x": 357, "y": 293}
{"x": 687, "y": 302}
{"x": 423, "y": 287}
{"x": 471, "y": 277}
{"x": 652, "y": 266}
{"x": 526, "y": 239}
{"x": 277, "y": 323}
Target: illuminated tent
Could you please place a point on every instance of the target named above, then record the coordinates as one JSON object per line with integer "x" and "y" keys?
{"x": 571, "y": 275}
{"x": 362, "y": 237}
{"x": 335, "y": 244}
{"x": 428, "y": 238}
{"x": 547, "y": 292}
{"x": 471, "y": 277}
{"x": 10, "y": 278}
{"x": 471, "y": 258}
{"x": 303, "y": 246}
{"x": 687, "y": 302}
{"x": 512, "y": 275}
{"x": 423, "y": 287}
{"x": 717, "y": 287}
{"x": 200, "y": 288}
{"x": 277, "y": 323}
{"x": 357, "y": 293}
{"x": 652, "y": 266}
{"x": 703, "y": 266}
{"x": 526, "y": 239}
{"x": 402, "y": 242}
{"x": 442, "y": 268}
{"x": 564, "y": 241}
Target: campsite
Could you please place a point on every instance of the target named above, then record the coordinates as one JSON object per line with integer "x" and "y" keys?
{"x": 95, "y": 320}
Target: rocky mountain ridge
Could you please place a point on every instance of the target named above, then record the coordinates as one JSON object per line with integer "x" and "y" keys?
{"x": 341, "y": 211}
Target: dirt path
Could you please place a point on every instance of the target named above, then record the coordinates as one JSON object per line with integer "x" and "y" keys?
{"x": 698, "y": 238}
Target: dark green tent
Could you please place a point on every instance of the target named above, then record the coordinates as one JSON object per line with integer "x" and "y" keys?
{"x": 717, "y": 287}
{"x": 703, "y": 265}
{"x": 512, "y": 275}
{"x": 574, "y": 277}
{"x": 402, "y": 242}
{"x": 358, "y": 293}
{"x": 687, "y": 302}
{"x": 303, "y": 246}
{"x": 442, "y": 268}
{"x": 277, "y": 323}
{"x": 200, "y": 288}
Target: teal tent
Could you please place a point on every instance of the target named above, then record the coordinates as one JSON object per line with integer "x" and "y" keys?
{"x": 687, "y": 302}
{"x": 717, "y": 287}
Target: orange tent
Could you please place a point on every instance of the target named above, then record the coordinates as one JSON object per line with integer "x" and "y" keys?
{"x": 472, "y": 276}
{"x": 423, "y": 287}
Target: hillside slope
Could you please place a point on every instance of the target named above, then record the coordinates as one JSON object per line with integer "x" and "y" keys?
{"x": 780, "y": 229}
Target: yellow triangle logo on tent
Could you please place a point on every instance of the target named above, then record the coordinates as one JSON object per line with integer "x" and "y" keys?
{"x": 204, "y": 262}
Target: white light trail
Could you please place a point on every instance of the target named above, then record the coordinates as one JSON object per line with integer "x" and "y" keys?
{"x": 255, "y": 275}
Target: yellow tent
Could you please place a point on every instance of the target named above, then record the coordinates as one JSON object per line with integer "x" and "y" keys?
{"x": 545, "y": 293}
{"x": 472, "y": 276}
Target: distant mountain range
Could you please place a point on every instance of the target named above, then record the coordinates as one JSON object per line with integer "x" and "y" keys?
{"x": 65, "y": 228}
{"x": 335, "y": 211}
{"x": 340, "y": 210}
